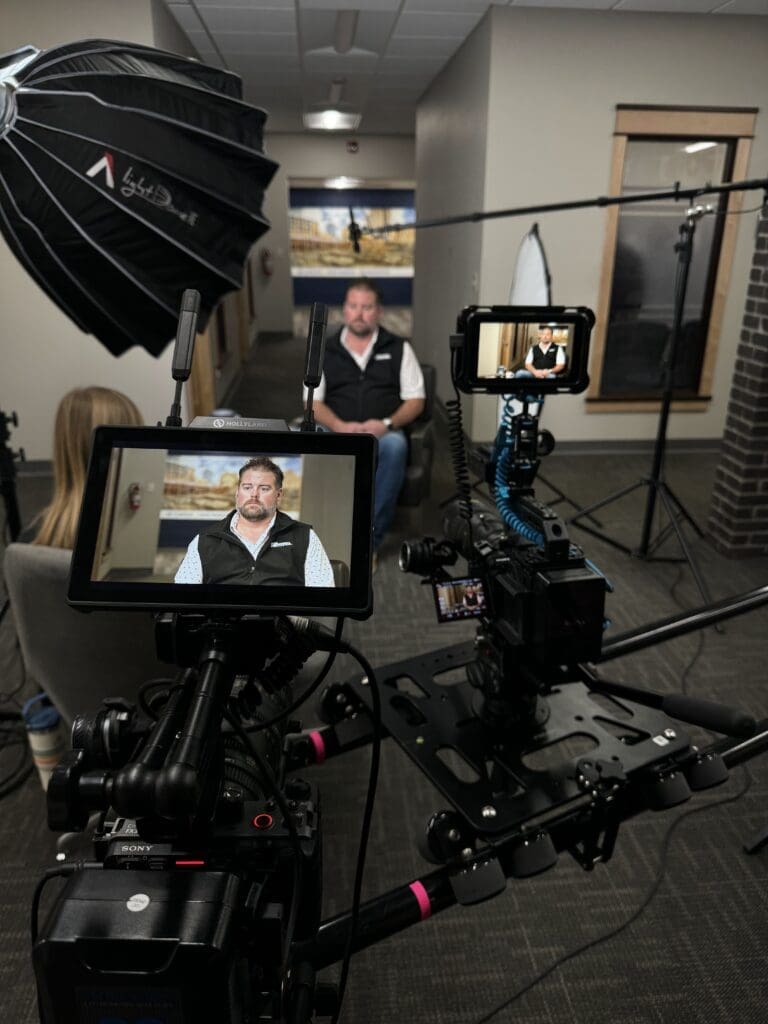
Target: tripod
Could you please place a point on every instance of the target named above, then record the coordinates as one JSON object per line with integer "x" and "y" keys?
{"x": 656, "y": 484}
{"x": 8, "y": 476}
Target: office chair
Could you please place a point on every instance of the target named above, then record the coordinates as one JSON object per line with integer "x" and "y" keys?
{"x": 76, "y": 659}
{"x": 421, "y": 447}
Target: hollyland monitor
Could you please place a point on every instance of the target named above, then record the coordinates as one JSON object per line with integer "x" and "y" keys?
{"x": 226, "y": 521}
{"x": 522, "y": 349}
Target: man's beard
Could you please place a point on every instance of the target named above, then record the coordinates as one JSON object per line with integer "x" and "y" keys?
{"x": 359, "y": 328}
{"x": 253, "y": 512}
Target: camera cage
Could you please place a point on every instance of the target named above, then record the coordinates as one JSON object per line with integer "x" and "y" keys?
{"x": 511, "y": 822}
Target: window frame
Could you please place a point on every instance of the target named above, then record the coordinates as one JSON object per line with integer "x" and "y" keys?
{"x": 659, "y": 122}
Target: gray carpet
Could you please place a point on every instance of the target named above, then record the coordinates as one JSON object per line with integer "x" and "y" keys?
{"x": 698, "y": 951}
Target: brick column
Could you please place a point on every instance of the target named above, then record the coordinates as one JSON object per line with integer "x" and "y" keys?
{"x": 738, "y": 520}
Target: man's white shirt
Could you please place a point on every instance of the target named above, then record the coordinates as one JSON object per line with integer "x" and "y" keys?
{"x": 317, "y": 567}
{"x": 411, "y": 377}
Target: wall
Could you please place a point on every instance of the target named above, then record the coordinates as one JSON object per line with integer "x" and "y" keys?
{"x": 43, "y": 354}
{"x": 451, "y": 148}
{"x": 303, "y": 156}
{"x": 556, "y": 77}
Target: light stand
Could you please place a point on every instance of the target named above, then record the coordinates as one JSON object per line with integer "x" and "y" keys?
{"x": 656, "y": 484}
{"x": 8, "y": 476}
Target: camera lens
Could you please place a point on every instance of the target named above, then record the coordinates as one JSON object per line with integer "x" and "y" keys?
{"x": 426, "y": 556}
{"x": 405, "y": 558}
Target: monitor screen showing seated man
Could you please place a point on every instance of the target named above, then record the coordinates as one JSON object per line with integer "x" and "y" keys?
{"x": 539, "y": 350}
{"x": 257, "y": 542}
{"x": 248, "y": 519}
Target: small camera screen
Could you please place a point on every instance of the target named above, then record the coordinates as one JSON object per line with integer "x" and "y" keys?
{"x": 459, "y": 599}
{"x": 258, "y": 521}
{"x": 524, "y": 350}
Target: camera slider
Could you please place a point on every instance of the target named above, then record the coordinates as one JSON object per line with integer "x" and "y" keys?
{"x": 576, "y": 744}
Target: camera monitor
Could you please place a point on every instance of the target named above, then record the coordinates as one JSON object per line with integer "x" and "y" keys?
{"x": 226, "y": 521}
{"x": 459, "y": 599}
{"x": 523, "y": 349}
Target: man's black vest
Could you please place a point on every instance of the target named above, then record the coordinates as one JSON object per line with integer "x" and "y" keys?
{"x": 279, "y": 563}
{"x": 545, "y": 360}
{"x": 373, "y": 393}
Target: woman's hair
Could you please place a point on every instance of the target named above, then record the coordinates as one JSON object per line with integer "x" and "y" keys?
{"x": 78, "y": 415}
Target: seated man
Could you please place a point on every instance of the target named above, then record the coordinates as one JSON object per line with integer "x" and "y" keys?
{"x": 545, "y": 358}
{"x": 372, "y": 384}
{"x": 256, "y": 544}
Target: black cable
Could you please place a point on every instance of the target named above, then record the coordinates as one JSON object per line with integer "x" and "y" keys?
{"x": 309, "y": 690}
{"x": 633, "y": 917}
{"x": 458, "y": 454}
{"x": 23, "y": 768}
{"x": 367, "y": 818}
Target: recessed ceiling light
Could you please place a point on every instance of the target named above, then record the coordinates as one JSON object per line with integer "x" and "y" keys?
{"x": 343, "y": 182}
{"x": 331, "y": 120}
{"x": 696, "y": 147}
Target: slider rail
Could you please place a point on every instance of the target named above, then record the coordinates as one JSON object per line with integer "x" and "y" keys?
{"x": 679, "y": 625}
{"x": 409, "y": 904}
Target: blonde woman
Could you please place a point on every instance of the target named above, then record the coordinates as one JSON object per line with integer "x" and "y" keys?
{"x": 78, "y": 415}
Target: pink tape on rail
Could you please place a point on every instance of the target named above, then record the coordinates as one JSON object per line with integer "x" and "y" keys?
{"x": 422, "y": 898}
{"x": 319, "y": 745}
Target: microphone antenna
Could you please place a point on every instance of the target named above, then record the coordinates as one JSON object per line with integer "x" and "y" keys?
{"x": 313, "y": 368}
{"x": 183, "y": 350}
{"x": 354, "y": 231}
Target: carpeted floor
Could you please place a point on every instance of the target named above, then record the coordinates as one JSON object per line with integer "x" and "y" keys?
{"x": 696, "y": 953}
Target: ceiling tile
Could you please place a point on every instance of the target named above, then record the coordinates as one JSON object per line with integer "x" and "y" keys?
{"x": 348, "y": 5}
{"x": 266, "y": 5}
{"x": 373, "y": 29}
{"x": 434, "y": 23}
{"x": 480, "y": 6}
{"x": 667, "y": 6}
{"x": 264, "y": 63}
{"x": 591, "y": 5}
{"x": 333, "y": 63}
{"x": 247, "y": 19}
{"x": 409, "y": 65}
{"x": 263, "y": 42}
{"x": 742, "y": 7}
{"x": 406, "y": 46}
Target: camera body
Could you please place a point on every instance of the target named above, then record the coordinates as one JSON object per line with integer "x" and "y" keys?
{"x": 181, "y": 918}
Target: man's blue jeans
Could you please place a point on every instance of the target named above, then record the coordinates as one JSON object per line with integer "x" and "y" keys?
{"x": 390, "y": 473}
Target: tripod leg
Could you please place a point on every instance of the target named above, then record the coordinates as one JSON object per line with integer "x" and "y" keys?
{"x": 661, "y": 537}
{"x": 606, "y": 501}
{"x": 562, "y": 496}
{"x": 683, "y": 510}
{"x": 700, "y": 583}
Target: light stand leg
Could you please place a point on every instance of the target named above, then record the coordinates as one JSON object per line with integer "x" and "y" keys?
{"x": 562, "y": 496}
{"x": 655, "y": 482}
{"x": 671, "y": 512}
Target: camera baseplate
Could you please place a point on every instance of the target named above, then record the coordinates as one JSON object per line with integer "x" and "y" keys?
{"x": 578, "y": 744}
